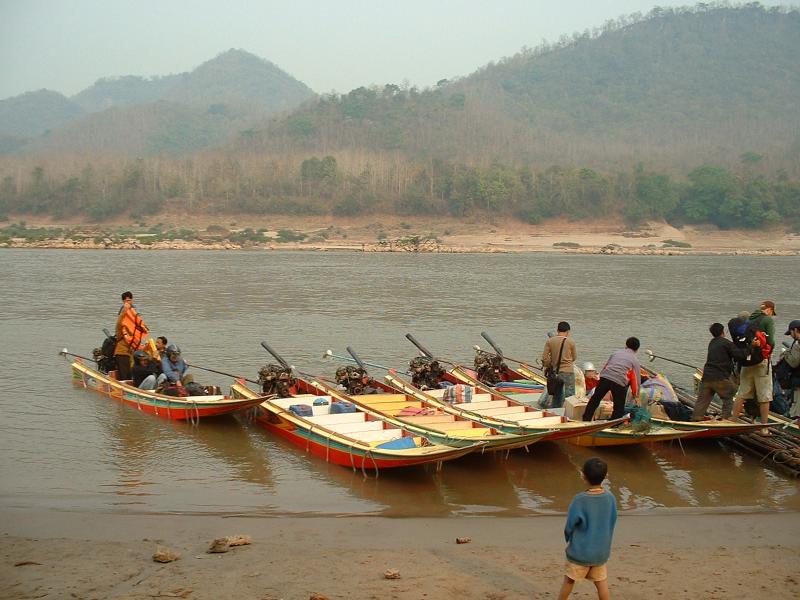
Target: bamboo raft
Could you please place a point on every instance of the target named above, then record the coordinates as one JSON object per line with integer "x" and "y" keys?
{"x": 781, "y": 450}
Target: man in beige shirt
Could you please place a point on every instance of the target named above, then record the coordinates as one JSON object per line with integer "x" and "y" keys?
{"x": 561, "y": 344}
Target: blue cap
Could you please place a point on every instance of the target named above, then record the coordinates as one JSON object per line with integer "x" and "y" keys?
{"x": 793, "y": 325}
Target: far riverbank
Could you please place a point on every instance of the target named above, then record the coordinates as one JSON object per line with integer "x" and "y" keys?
{"x": 390, "y": 235}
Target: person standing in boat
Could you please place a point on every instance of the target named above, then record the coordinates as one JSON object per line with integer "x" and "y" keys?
{"x": 130, "y": 332}
{"x": 559, "y": 355}
{"x": 591, "y": 518}
{"x": 718, "y": 373}
{"x": 792, "y": 358}
{"x": 621, "y": 370}
{"x": 755, "y": 377}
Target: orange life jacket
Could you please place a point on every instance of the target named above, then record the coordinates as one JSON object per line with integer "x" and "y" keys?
{"x": 632, "y": 381}
{"x": 133, "y": 328}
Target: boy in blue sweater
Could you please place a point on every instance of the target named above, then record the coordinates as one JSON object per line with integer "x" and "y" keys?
{"x": 590, "y": 526}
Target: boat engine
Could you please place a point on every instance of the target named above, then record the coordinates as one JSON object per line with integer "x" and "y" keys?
{"x": 489, "y": 367}
{"x": 275, "y": 379}
{"x": 104, "y": 356}
{"x": 426, "y": 373}
{"x": 354, "y": 379}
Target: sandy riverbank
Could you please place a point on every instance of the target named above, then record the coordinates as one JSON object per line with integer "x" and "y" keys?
{"x": 379, "y": 234}
{"x": 68, "y": 555}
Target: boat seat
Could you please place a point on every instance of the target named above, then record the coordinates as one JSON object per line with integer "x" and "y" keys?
{"x": 355, "y": 426}
{"x": 382, "y": 435}
{"x": 429, "y": 419}
{"x": 455, "y": 427}
{"x": 537, "y": 421}
{"x": 482, "y": 405}
{"x": 394, "y": 406}
{"x": 354, "y": 417}
{"x": 200, "y": 399}
{"x": 502, "y": 410}
{"x": 379, "y": 398}
{"x": 299, "y": 399}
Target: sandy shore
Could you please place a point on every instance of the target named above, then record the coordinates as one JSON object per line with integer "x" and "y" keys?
{"x": 442, "y": 235}
{"x": 69, "y": 555}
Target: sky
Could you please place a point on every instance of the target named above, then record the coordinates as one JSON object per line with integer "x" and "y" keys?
{"x": 330, "y": 45}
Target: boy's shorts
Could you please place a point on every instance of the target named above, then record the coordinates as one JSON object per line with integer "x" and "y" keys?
{"x": 578, "y": 572}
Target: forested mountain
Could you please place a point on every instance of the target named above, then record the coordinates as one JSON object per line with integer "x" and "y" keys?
{"x": 688, "y": 115}
{"x": 134, "y": 115}
{"x": 674, "y": 88}
{"x": 234, "y": 77}
{"x": 34, "y": 113}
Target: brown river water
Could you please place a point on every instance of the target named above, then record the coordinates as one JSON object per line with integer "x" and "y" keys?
{"x": 64, "y": 448}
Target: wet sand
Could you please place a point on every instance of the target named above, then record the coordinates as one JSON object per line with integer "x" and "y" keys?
{"x": 675, "y": 555}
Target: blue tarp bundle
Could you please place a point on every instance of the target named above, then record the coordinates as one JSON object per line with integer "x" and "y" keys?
{"x": 301, "y": 410}
{"x": 338, "y": 408}
{"x": 398, "y": 444}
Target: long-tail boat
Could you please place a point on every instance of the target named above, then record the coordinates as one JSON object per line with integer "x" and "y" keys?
{"x": 499, "y": 412}
{"x": 356, "y": 439}
{"x": 189, "y": 408}
{"x": 413, "y": 409}
{"x": 337, "y": 430}
{"x": 496, "y": 405}
{"x": 698, "y": 429}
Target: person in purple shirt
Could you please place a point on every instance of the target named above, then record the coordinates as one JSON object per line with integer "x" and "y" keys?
{"x": 614, "y": 379}
{"x": 589, "y": 529}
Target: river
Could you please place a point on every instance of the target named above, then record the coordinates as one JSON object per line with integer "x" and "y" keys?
{"x": 64, "y": 448}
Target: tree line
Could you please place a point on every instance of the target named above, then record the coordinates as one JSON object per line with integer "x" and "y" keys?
{"x": 352, "y": 184}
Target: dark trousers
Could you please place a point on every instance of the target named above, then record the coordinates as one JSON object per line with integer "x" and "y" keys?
{"x": 123, "y": 366}
{"x": 724, "y": 388}
{"x": 618, "y": 392}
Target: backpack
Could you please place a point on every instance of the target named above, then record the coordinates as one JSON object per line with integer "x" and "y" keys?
{"x": 743, "y": 331}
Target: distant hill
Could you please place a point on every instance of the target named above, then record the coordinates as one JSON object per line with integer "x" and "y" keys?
{"x": 114, "y": 92}
{"x": 34, "y": 113}
{"x": 156, "y": 128}
{"x": 674, "y": 88}
{"x": 239, "y": 78}
{"x": 234, "y": 77}
{"x": 134, "y": 115}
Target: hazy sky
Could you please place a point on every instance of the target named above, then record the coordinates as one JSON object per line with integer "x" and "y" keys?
{"x": 66, "y": 45}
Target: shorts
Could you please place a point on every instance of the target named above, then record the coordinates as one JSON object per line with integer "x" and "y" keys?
{"x": 578, "y": 572}
{"x": 756, "y": 382}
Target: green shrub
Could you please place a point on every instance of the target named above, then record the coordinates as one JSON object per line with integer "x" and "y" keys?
{"x": 287, "y": 235}
{"x": 676, "y": 244}
{"x": 567, "y": 245}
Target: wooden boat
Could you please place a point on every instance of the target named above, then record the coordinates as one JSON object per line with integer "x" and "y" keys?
{"x": 776, "y": 420}
{"x": 190, "y": 408}
{"x": 430, "y": 420}
{"x": 605, "y": 433}
{"x": 504, "y": 414}
{"x": 698, "y": 429}
{"x": 355, "y": 439}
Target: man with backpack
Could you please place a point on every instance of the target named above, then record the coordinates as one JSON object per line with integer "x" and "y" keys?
{"x": 755, "y": 378}
{"x": 558, "y": 359}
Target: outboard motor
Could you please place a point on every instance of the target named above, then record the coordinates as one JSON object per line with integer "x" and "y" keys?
{"x": 426, "y": 373}
{"x": 489, "y": 367}
{"x": 275, "y": 379}
{"x": 104, "y": 355}
{"x": 355, "y": 380}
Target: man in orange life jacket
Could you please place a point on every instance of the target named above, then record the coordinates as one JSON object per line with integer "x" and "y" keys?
{"x": 130, "y": 332}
